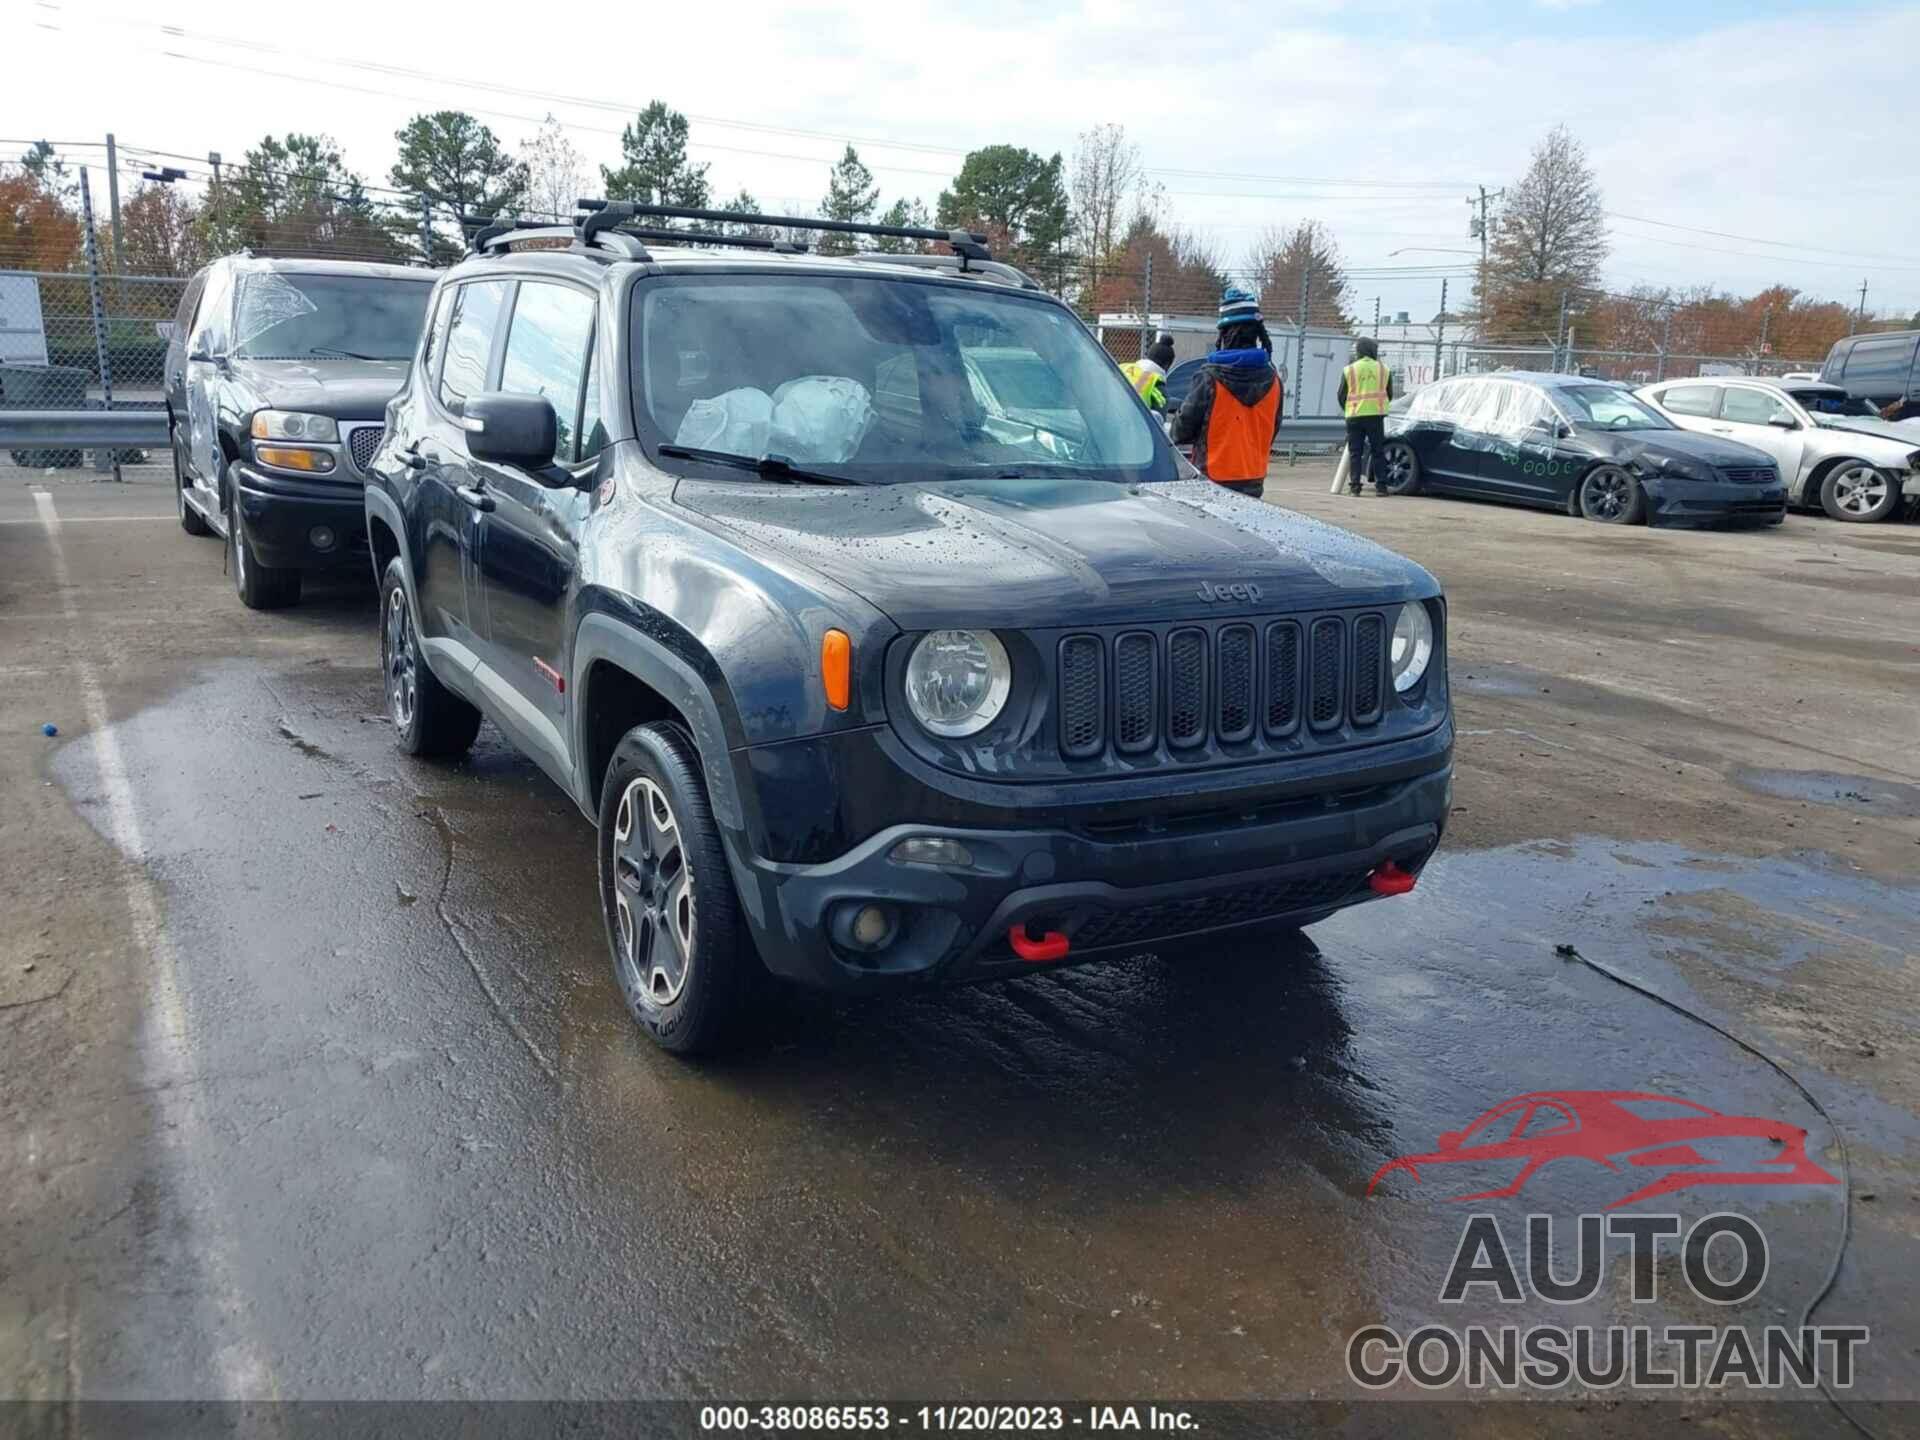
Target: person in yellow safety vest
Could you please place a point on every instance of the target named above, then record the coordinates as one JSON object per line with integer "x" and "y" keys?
{"x": 1366, "y": 389}
{"x": 1147, "y": 373}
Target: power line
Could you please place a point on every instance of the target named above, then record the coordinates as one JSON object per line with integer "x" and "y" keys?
{"x": 1754, "y": 239}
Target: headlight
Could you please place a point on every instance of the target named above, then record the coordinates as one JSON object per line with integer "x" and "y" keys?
{"x": 1412, "y": 646}
{"x": 957, "y": 681}
{"x": 291, "y": 425}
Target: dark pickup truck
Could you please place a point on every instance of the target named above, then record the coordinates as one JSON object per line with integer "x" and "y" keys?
{"x": 278, "y": 374}
{"x": 869, "y": 675}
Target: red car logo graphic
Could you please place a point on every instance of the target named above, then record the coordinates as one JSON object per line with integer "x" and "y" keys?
{"x": 1631, "y": 1128}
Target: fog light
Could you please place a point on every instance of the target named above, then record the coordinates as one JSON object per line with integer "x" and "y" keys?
{"x": 320, "y": 537}
{"x": 931, "y": 850}
{"x": 865, "y": 925}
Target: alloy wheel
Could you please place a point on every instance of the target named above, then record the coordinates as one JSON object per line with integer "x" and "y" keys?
{"x": 1609, "y": 491}
{"x": 1860, "y": 490}
{"x": 653, "y": 896}
{"x": 1397, "y": 465}
{"x": 400, "y": 660}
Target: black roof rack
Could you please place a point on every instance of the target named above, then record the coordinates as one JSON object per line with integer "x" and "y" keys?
{"x": 991, "y": 269}
{"x": 967, "y": 244}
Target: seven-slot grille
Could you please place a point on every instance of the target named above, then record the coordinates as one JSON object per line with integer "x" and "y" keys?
{"x": 363, "y": 442}
{"x": 1756, "y": 475}
{"x": 1232, "y": 681}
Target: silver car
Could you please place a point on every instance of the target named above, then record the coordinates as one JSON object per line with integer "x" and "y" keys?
{"x": 1834, "y": 451}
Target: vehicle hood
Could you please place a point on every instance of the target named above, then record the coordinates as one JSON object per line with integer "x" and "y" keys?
{"x": 1904, "y": 433}
{"x": 1684, "y": 445}
{"x": 343, "y": 389}
{"x": 1043, "y": 553}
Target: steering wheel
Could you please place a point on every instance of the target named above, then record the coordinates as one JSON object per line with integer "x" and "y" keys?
{"x": 1620, "y": 421}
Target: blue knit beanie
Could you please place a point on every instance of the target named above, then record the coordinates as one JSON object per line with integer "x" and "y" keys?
{"x": 1237, "y": 307}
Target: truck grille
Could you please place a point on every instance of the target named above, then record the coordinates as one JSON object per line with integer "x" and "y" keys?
{"x": 1758, "y": 475}
{"x": 363, "y": 442}
{"x": 1233, "y": 682}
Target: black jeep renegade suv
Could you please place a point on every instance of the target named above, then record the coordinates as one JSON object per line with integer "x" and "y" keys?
{"x": 874, "y": 621}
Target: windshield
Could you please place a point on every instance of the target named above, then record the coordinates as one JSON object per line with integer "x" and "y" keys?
{"x": 330, "y": 317}
{"x": 1834, "y": 402}
{"x": 879, "y": 380}
{"x": 1606, "y": 408}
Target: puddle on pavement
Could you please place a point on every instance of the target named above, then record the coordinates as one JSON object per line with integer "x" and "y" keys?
{"x": 1862, "y": 793}
{"x": 1165, "y": 1159}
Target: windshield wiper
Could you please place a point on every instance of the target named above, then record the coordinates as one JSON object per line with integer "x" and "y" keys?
{"x": 334, "y": 350}
{"x": 774, "y": 467}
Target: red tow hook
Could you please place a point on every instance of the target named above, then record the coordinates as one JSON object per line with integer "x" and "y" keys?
{"x": 1050, "y": 946}
{"x": 1390, "y": 879}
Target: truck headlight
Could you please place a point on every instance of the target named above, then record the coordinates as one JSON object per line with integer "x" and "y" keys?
{"x": 292, "y": 425}
{"x": 1412, "y": 646}
{"x": 957, "y": 681}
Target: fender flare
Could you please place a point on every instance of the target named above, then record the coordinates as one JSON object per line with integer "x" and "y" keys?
{"x": 602, "y": 637}
{"x": 383, "y": 503}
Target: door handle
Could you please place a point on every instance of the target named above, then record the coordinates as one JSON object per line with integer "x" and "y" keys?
{"x": 474, "y": 496}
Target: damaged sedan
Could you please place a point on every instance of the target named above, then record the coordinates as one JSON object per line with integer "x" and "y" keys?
{"x": 1565, "y": 442}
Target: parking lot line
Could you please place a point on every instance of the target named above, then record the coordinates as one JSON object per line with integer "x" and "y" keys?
{"x": 244, "y": 1372}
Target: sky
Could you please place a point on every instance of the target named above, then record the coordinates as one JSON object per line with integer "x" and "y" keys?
{"x": 1785, "y": 128}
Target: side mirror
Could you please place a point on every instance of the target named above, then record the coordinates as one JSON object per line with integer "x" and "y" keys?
{"x": 1783, "y": 422}
{"x": 207, "y": 357}
{"x": 518, "y": 430}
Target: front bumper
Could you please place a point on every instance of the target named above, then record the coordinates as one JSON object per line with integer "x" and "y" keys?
{"x": 1112, "y": 888}
{"x": 283, "y": 515}
{"x": 1675, "y": 501}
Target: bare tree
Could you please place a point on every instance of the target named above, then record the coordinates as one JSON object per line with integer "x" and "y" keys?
{"x": 1281, "y": 257}
{"x": 1106, "y": 173}
{"x": 1552, "y": 238}
{"x": 555, "y": 170}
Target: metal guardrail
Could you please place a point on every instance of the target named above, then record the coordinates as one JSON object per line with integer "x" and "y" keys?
{"x": 1310, "y": 430}
{"x": 82, "y": 429}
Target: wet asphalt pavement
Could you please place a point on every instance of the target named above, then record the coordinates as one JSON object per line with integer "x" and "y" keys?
{"x": 385, "y": 1131}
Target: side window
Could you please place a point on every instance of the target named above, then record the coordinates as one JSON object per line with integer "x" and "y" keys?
{"x": 1544, "y": 1119}
{"x": 1876, "y": 365}
{"x": 1750, "y": 407}
{"x": 189, "y": 302}
{"x": 593, "y": 431}
{"x": 475, "y": 320}
{"x": 436, "y": 337}
{"x": 547, "y": 353}
{"x": 1688, "y": 399}
{"x": 210, "y": 328}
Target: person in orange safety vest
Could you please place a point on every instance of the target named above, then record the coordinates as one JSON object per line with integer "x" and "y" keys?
{"x": 1233, "y": 408}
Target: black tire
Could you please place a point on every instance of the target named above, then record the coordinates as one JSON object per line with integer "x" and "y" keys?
{"x": 428, "y": 719}
{"x": 1611, "y": 496}
{"x": 694, "y": 980}
{"x": 1399, "y": 469}
{"x": 191, "y": 520}
{"x": 1860, "y": 493}
{"x": 260, "y": 587}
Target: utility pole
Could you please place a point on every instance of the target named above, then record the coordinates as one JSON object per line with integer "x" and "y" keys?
{"x": 1666, "y": 341}
{"x": 1440, "y": 328}
{"x": 1300, "y": 340}
{"x": 213, "y": 159}
{"x": 1376, "y": 317}
{"x": 426, "y": 229}
{"x": 1860, "y": 317}
{"x": 1146, "y": 310}
{"x": 113, "y": 205}
{"x": 1477, "y": 228}
{"x": 1765, "y": 316}
{"x": 1560, "y": 338}
{"x": 108, "y": 459}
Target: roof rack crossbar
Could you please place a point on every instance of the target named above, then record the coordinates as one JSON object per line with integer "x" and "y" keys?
{"x": 993, "y": 269}
{"x": 968, "y": 244}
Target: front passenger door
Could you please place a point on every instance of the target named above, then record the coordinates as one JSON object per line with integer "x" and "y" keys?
{"x": 529, "y": 537}
{"x": 1766, "y": 421}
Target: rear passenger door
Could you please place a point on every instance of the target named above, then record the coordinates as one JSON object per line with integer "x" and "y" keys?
{"x": 529, "y": 538}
